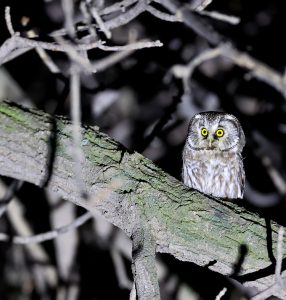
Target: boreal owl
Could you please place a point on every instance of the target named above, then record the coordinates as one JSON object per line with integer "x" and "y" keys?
{"x": 212, "y": 161}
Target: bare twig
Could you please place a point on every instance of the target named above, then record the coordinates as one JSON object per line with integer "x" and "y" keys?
{"x": 280, "y": 282}
{"x": 140, "y": 7}
{"x": 221, "y": 17}
{"x": 47, "y": 60}
{"x": 76, "y": 127}
{"x": 14, "y": 54}
{"x": 185, "y": 72}
{"x": 16, "y": 42}
{"x": 244, "y": 60}
{"x": 73, "y": 291}
{"x": 163, "y": 16}
{"x": 258, "y": 69}
{"x": 132, "y": 295}
{"x": 123, "y": 280}
{"x": 221, "y": 294}
{"x": 129, "y": 15}
{"x": 20, "y": 225}
{"x": 204, "y": 4}
{"x": 284, "y": 83}
{"x": 194, "y": 21}
{"x": 112, "y": 23}
{"x": 9, "y": 194}
{"x": 68, "y": 9}
{"x": 110, "y": 60}
{"x": 118, "y": 6}
{"x": 100, "y": 22}
{"x": 42, "y": 237}
{"x": 198, "y": 8}
{"x": 135, "y": 46}
{"x": 41, "y": 52}
{"x": 88, "y": 20}
{"x": 66, "y": 246}
{"x": 9, "y": 21}
{"x": 279, "y": 254}
{"x": 75, "y": 55}
{"x": 269, "y": 291}
{"x": 277, "y": 179}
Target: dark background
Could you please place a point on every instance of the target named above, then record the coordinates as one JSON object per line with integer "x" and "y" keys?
{"x": 141, "y": 93}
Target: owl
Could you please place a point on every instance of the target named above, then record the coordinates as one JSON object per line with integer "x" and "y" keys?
{"x": 212, "y": 161}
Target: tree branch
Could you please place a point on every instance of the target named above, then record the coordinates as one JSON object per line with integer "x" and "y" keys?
{"x": 143, "y": 261}
{"x": 258, "y": 69}
{"x": 16, "y": 43}
{"x": 46, "y": 236}
{"x": 124, "y": 185}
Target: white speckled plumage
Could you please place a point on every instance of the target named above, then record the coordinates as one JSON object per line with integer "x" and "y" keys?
{"x": 212, "y": 164}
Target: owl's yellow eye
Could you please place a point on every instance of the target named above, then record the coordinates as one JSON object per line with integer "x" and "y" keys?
{"x": 204, "y": 132}
{"x": 219, "y": 133}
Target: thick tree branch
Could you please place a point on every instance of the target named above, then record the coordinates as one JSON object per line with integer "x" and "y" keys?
{"x": 143, "y": 261}
{"x": 124, "y": 185}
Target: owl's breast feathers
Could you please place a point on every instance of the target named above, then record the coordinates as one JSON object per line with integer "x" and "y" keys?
{"x": 216, "y": 173}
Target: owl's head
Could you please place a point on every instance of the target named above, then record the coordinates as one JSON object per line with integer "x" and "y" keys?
{"x": 215, "y": 131}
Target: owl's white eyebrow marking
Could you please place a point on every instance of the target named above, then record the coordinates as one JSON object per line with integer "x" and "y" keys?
{"x": 230, "y": 117}
{"x": 198, "y": 116}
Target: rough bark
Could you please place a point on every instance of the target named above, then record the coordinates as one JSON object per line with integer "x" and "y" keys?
{"x": 125, "y": 187}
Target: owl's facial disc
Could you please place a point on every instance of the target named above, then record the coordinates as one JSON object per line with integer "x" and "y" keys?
{"x": 213, "y": 133}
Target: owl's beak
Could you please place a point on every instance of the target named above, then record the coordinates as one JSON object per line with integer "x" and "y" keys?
{"x": 210, "y": 139}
